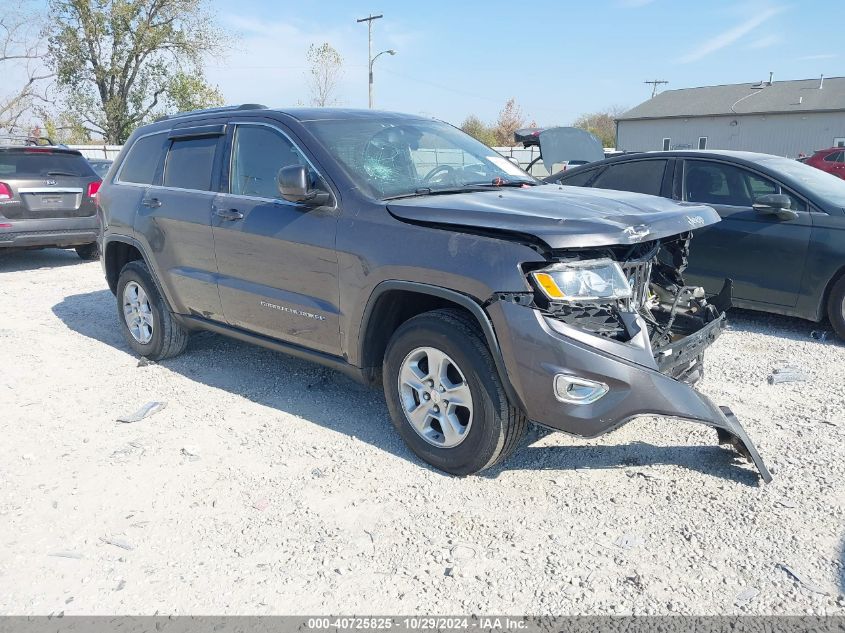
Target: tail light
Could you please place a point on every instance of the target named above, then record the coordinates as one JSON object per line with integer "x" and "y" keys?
{"x": 94, "y": 188}
{"x": 5, "y": 191}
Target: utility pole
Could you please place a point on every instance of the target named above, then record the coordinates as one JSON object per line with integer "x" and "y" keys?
{"x": 369, "y": 21}
{"x": 654, "y": 83}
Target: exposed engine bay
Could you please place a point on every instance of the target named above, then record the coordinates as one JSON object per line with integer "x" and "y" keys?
{"x": 680, "y": 320}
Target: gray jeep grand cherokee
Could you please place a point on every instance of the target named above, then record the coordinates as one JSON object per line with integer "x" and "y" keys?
{"x": 397, "y": 248}
{"x": 47, "y": 197}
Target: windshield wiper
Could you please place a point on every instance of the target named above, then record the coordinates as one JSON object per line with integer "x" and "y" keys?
{"x": 505, "y": 183}
{"x": 467, "y": 188}
{"x": 61, "y": 173}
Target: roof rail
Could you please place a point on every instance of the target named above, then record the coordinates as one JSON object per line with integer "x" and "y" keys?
{"x": 25, "y": 139}
{"x": 231, "y": 108}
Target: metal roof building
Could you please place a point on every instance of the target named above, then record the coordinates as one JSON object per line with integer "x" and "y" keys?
{"x": 786, "y": 118}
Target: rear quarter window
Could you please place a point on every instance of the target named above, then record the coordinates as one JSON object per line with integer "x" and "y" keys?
{"x": 143, "y": 159}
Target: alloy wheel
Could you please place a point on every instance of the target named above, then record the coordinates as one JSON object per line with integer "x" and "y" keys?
{"x": 435, "y": 397}
{"x": 138, "y": 312}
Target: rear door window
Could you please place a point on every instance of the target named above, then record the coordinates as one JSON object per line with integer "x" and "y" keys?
{"x": 143, "y": 159}
{"x": 43, "y": 163}
{"x": 642, "y": 176}
{"x": 190, "y": 163}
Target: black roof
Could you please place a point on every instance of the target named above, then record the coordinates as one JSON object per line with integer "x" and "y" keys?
{"x": 300, "y": 114}
{"x": 750, "y": 157}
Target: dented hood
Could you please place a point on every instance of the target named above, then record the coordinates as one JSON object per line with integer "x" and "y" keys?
{"x": 561, "y": 217}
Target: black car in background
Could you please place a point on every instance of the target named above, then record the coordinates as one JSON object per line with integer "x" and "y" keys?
{"x": 47, "y": 197}
{"x": 100, "y": 165}
{"x": 782, "y": 234}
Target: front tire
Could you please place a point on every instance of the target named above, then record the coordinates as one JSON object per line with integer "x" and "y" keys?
{"x": 836, "y": 307}
{"x": 88, "y": 252}
{"x": 145, "y": 320}
{"x": 444, "y": 394}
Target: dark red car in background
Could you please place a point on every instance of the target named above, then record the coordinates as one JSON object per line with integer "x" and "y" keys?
{"x": 831, "y": 160}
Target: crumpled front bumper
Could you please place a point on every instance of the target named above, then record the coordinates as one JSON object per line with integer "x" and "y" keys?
{"x": 536, "y": 348}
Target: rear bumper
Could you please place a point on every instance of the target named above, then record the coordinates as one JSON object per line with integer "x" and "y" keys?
{"x": 535, "y": 349}
{"x": 61, "y": 232}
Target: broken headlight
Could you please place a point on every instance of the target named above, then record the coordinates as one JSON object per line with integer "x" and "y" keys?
{"x": 580, "y": 281}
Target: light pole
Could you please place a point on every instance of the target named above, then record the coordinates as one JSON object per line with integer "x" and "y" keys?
{"x": 373, "y": 61}
{"x": 369, "y": 20}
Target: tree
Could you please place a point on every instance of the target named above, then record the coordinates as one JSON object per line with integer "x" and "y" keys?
{"x": 186, "y": 92}
{"x": 66, "y": 127}
{"x": 120, "y": 62}
{"x": 21, "y": 50}
{"x": 478, "y": 129}
{"x": 324, "y": 73}
{"x": 601, "y": 124}
{"x": 510, "y": 120}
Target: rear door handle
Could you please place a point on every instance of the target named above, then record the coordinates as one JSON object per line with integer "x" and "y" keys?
{"x": 229, "y": 214}
{"x": 151, "y": 203}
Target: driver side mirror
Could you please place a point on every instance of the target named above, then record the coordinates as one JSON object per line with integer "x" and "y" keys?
{"x": 776, "y": 204}
{"x": 295, "y": 186}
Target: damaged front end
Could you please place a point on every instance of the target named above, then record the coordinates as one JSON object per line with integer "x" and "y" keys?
{"x": 629, "y": 303}
{"x": 680, "y": 323}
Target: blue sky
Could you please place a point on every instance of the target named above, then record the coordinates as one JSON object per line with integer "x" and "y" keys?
{"x": 559, "y": 59}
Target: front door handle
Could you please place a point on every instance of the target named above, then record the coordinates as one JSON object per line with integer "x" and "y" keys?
{"x": 229, "y": 214}
{"x": 151, "y": 203}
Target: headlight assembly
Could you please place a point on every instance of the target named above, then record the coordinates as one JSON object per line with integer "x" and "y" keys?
{"x": 579, "y": 281}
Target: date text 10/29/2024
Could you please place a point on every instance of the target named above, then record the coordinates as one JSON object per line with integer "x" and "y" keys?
{"x": 417, "y": 623}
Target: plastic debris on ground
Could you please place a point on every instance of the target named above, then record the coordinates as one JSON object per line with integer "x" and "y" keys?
{"x": 151, "y": 408}
{"x": 787, "y": 374}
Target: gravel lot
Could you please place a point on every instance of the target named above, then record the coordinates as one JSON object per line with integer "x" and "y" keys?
{"x": 270, "y": 485}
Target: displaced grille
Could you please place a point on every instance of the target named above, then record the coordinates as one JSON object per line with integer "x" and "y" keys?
{"x": 601, "y": 319}
{"x": 639, "y": 276}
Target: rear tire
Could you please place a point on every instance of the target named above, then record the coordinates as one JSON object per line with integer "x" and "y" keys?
{"x": 479, "y": 433}
{"x": 836, "y": 307}
{"x": 145, "y": 320}
{"x": 88, "y": 251}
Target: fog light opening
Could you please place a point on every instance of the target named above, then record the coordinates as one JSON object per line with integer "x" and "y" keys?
{"x": 574, "y": 390}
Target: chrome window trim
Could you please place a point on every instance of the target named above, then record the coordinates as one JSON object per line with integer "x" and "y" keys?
{"x": 285, "y": 135}
{"x": 169, "y": 188}
{"x": 117, "y": 179}
{"x": 50, "y": 190}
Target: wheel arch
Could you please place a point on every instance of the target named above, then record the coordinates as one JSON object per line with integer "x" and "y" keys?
{"x": 393, "y": 302}
{"x": 117, "y": 253}
{"x": 825, "y": 297}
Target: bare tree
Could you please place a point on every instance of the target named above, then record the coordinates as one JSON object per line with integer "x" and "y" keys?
{"x": 21, "y": 51}
{"x": 324, "y": 73}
